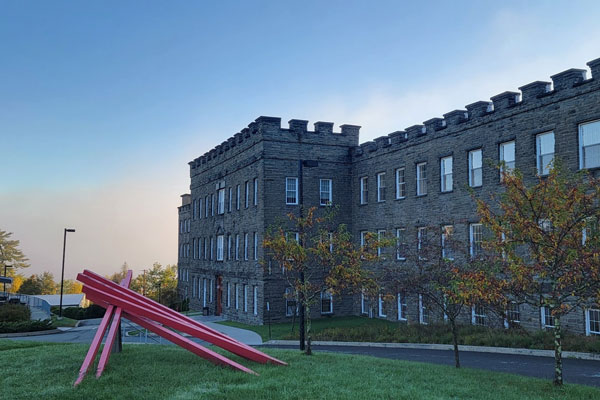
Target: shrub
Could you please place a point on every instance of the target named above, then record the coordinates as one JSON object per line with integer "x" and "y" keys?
{"x": 25, "y": 326}
{"x": 14, "y": 313}
{"x": 93, "y": 311}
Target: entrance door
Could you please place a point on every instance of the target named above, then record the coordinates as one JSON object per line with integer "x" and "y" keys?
{"x": 219, "y": 295}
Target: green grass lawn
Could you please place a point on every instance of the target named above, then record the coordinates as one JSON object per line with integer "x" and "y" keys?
{"x": 47, "y": 371}
{"x": 64, "y": 322}
{"x": 362, "y": 329}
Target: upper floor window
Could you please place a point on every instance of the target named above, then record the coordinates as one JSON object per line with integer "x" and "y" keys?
{"x": 507, "y": 156}
{"x": 325, "y": 195}
{"x": 421, "y": 179}
{"x": 291, "y": 191}
{"x": 220, "y": 243}
{"x": 237, "y": 246}
{"x": 380, "y": 236}
{"x": 400, "y": 183}
{"x": 237, "y": 197}
{"x": 212, "y": 204}
{"x": 475, "y": 239}
{"x": 381, "y": 186}
{"x": 255, "y": 198}
{"x": 221, "y": 201}
{"x": 447, "y": 232}
{"x": 229, "y": 247}
{"x": 255, "y": 246}
{"x": 475, "y": 168}
{"x": 206, "y": 207}
{"x": 247, "y": 193}
{"x": 400, "y": 244}
{"x": 446, "y": 174}
{"x": 245, "y": 246}
{"x": 326, "y": 302}
{"x": 364, "y": 190}
{"x": 230, "y": 199}
{"x": 544, "y": 151}
{"x": 195, "y": 212}
{"x": 589, "y": 145}
{"x": 200, "y": 208}
{"x": 421, "y": 239}
{"x": 363, "y": 238}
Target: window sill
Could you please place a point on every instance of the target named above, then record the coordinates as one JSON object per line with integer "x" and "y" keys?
{"x": 447, "y": 191}
{"x": 400, "y": 198}
{"x": 421, "y": 195}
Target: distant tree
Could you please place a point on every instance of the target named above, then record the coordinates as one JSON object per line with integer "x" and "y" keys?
{"x": 10, "y": 254}
{"x": 39, "y": 284}
{"x": 70, "y": 286}
{"x": 117, "y": 277}
{"x": 439, "y": 268}
{"x": 159, "y": 283}
{"x": 547, "y": 242}
{"x": 319, "y": 258}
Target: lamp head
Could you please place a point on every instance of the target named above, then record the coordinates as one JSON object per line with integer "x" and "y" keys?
{"x": 69, "y": 230}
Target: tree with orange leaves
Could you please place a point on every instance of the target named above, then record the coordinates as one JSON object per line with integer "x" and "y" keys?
{"x": 546, "y": 243}
{"x": 317, "y": 256}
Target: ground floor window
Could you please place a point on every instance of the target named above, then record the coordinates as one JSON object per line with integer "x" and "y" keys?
{"x": 401, "y": 297}
{"x": 547, "y": 317}
{"x": 211, "y": 293}
{"x": 423, "y": 310}
{"x": 291, "y": 304}
{"x": 513, "y": 313}
{"x": 228, "y": 294}
{"x": 326, "y": 302}
{"x": 592, "y": 317}
{"x": 255, "y": 301}
{"x": 236, "y": 294}
{"x": 245, "y": 298}
{"x": 363, "y": 303}
{"x": 478, "y": 315}
{"x": 381, "y": 307}
{"x": 204, "y": 293}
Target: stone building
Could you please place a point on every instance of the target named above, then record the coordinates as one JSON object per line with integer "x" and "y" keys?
{"x": 420, "y": 176}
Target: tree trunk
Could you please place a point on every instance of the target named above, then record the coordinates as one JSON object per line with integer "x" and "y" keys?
{"x": 455, "y": 342}
{"x": 558, "y": 379}
{"x": 308, "y": 340}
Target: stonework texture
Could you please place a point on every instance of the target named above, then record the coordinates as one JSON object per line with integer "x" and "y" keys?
{"x": 267, "y": 154}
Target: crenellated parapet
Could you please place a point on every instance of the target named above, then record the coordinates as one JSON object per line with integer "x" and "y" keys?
{"x": 563, "y": 85}
{"x": 269, "y": 128}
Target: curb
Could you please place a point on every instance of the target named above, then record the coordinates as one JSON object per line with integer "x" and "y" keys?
{"x": 35, "y": 333}
{"x": 426, "y": 346}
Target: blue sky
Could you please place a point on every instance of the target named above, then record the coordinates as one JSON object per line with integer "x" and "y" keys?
{"x": 102, "y": 104}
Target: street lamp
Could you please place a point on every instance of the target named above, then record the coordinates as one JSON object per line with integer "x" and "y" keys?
{"x": 62, "y": 275}
{"x": 5, "y": 267}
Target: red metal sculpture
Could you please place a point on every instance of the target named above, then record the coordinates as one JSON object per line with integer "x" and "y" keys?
{"x": 119, "y": 301}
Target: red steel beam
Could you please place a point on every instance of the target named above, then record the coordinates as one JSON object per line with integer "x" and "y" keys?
{"x": 98, "y": 295}
{"x": 186, "y": 343}
{"x": 195, "y": 328}
{"x": 112, "y": 333}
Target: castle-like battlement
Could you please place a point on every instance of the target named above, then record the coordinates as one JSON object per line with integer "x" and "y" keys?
{"x": 564, "y": 84}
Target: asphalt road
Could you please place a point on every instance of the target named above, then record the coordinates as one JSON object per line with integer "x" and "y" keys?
{"x": 584, "y": 372}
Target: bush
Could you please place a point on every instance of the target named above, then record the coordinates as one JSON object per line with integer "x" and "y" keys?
{"x": 93, "y": 311}
{"x": 14, "y": 313}
{"x": 25, "y": 326}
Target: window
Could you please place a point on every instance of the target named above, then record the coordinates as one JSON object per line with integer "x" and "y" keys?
{"x": 447, "y": 232}
{"x": 220, "y": 240}
{"x": 544, "y": 145}
{"x": 195, "y": 251}
{"x": 400, "y": 184}
{"x": 211, "y": 296}
{"x": 363, "y": 238}
{"x": 237, "y": 297}
{"x": 513, "y": 313}
{"x": 221, "y": 201}
{"x": 230, "y": 199}
{"x": 325, "y": 197}
{"x": 204, "y": 292}
{"x": 206, "y": 207}
{"x": 381, "y": 307}
{"x": 291, "y": 191}
{"x": 421, "y": 179}
{"x": 364, "y": 190}
{"x": 590, "y": 230}
{"x": 291, "y": 305}
{"x": 229, "y": 247}
{"x": 194, "y": 287}
{"x": 423, "y": 311}
{"x": 212, "y": 204}
{"x": 205, "y": 249}
{"x": 199, "y": 208}
{"x": 199, "y": 290}
{"x": 195, "y": 212}
{"x": 326, "y": 302}
{"x": 446, "y": 174}
{"x": 255, "y": 246}
{"x": 247, "y": 194}
{"x": 475, "y": 168}
{"x": 363, "y": 303}
{"x": 421, "y": 239}
{"x": 245, "y": 246}
{"x": 401, "y": 244}
{"x": 507, "y": 155}
{"x": 592, "y": 325}
{"x": 245, "y": 298}
{"x": 255, "y": 198}
{"x": 381, "y": 186}
{"x": 547, "y": 317}
{"x": 478, "y": 315}
{"x": 255, "y": 301}
{"x": 380, "y": 236}
{"x": 475, "y": 239}
{"x": 292, "y": 236}
{"x": 237, "y": 197}
{"x": 589, "y": 145}
{"x": 237, "y": 246}
{"x": 401, "y": 297}
{"x": 228, "y": 294}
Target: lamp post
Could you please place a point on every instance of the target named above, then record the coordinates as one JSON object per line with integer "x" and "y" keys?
{"x": 62, "y": 275}
{"x": 5, "y": 267}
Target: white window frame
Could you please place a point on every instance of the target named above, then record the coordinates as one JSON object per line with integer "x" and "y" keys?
{"x": 543, "y": 167}
{"x": 255, "y": 198}
{"x": 220, "y": 244}
{"x": 211, "y": 296}
{"x": 364, "y": 190}
{"x": 206, "y": 208}
{"x": 381, "y": 187}
{"x": 363, "y": 305}
{"x": 245, "y": 298}
{"x": 400, "y": 183}
{"x": 423, "y": 312}
{"x": 237, "y": 246}
{"x": 478, "y": 315}
{"x": 200, "y": 208}
{"x": 363, "y": 237}
{"x": 325, "y": 196}
{"x": 205, "y": 248}
{"x": 204, "y": 293}
{"x": 246, "y": 246}
{"x": 510, "y": 313}
{"x": 236, "y": 288}
{"x": 472, "y": 241}
{"x": 473, "y": 168}
{"x": 212, "y": 240}
{"x": 237, "y": 196}
{"x": 326, "y": 295}
{"x": 212, "y": 204}
{"x": 228, "y": 295}
{"x": 421, "y": 179}
{"x": 381, "y": 307}
{"x": 400, "y": 244}
{"x": 582, "y": 148}
{"x": 247, "y": 194}
{"x": 380, "y": 236}
{"x": 221, "y": 201}
{"x": 402, "y": 308}
{"x": 421, "y": 238}
{"x": 291, "y": 192}
{"x": 229, "y": 246}
{"x": 230, "y": 199}
{"x": 509, "y": 165}
{"x": 255, "y": 246}
{"x": 289, "y": 302}
{"x": 446, "y": 182}
{"x": 544, "y": 322}
{"x": 588, "y": 321}
{"x": 447, "y": 230}
{"x": 255, "y": 301}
